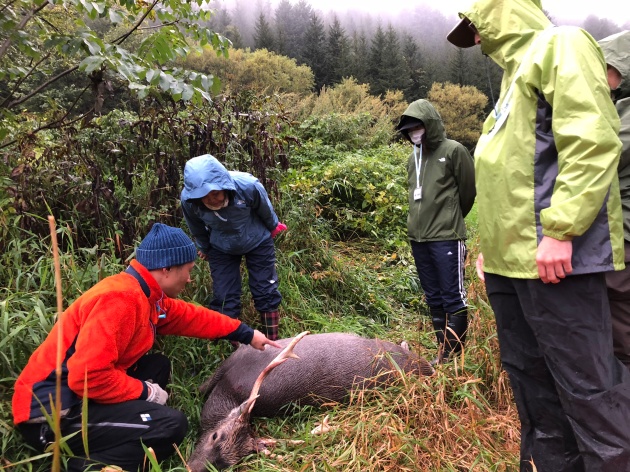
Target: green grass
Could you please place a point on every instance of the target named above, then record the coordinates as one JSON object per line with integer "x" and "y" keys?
{"x": 461, "y": 419}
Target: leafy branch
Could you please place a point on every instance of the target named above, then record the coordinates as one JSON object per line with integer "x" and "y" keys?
{"x": 75, "y": 42}
{"x": 25, "y": 19}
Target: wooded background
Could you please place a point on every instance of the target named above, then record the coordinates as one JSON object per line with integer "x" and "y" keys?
{"x": 102, "y": 103}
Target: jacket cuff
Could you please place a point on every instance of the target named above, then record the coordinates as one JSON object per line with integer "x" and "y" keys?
{"x": 556, "y": 235}
{"x": 243, "y": 334}
{"x": 145, "y": 391}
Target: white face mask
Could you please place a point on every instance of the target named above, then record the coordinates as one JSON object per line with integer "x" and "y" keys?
{"x": 416, "y": 135}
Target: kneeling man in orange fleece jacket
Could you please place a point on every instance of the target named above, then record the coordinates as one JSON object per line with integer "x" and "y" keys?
{"x": 106, "y": 334}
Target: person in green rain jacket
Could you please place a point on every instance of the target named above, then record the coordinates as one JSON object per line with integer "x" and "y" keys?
{"x": 550, "y": 227}
{"x": 617, "y": 54}
{"x": 441, "y": 180}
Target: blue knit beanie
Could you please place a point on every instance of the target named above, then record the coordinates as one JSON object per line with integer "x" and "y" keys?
{"x": 165, "y": 246}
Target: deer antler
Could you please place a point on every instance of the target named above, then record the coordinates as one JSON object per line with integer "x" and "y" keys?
{"x": 284, "y": 355}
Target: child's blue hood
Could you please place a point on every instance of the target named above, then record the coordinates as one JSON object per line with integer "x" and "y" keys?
{"x": 202, "y": 174}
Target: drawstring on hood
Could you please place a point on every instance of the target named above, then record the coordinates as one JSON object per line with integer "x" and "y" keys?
{"x": 494, "y": 102}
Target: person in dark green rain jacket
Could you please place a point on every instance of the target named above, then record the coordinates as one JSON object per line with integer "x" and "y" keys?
{"x": 441, "y": 179}
{"x": 616, "y": 50}
{"x": 550, "y": 227}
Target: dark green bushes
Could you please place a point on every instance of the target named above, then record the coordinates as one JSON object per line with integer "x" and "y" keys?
{"x": 361, "y": 194}
{"x": 119, "y": 173}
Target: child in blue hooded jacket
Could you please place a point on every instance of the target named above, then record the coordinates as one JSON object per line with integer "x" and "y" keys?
{"x": 230, "y": 216}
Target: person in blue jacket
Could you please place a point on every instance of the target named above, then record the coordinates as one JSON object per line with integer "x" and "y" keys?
{"x": 230, "y": 216}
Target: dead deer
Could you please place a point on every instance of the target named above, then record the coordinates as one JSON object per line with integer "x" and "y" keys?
{"x": 330, "y": 365}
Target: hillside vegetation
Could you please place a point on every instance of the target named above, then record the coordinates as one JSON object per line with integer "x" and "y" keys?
{"x": 103, "y": 102}
{"x": 344, "y": 265}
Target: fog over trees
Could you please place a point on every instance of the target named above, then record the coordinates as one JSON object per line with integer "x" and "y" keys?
{"x": 406, "y": 51}
{"x": 53, "y": 62}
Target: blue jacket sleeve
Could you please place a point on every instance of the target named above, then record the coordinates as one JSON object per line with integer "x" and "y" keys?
{"x": 199, "y": 231}
{"x": 262, "y": 207}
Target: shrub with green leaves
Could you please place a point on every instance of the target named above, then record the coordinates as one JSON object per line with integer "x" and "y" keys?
{"x": 43, "y": 42}
{"x": 361, "y": 194}
{"x": 346, "y": 117}
{"x": 462, "y": 108}
{"x": 343, "y": 132}
{"x": 260, "y": 71}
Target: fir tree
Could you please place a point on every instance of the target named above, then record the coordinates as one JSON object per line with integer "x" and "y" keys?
{"x": 301, "y": 18}
{"x": 314, "y": 54}
{"x": 458, "y": 67}
{"x": 387, "y": 69}
{"x": 220, "y": 19}
{"x": 417, "y": 86}
{"x": 337, "y": 47}
{"x": 376, "y": 61}
{"x": 291, "y": 23}
{"x": 232, "y": 33}
{"x": 394, "y": 75}
{"x": 358, "y": 57}
{"x": 264, "y": 39}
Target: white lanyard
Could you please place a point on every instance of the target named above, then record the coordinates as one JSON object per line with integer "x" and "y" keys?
{"x": 418, "y": 160}
{"x": 417, "y": 194}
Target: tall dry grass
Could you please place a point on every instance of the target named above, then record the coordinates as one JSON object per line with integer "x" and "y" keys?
{"x": 460, "y": 419}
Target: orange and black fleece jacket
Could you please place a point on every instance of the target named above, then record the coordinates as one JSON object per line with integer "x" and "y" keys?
{"x": 104, "y": 332}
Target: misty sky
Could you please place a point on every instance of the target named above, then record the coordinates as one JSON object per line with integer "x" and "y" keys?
{"x": 560, "y": 9}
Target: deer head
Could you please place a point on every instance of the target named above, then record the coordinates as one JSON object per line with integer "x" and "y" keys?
{"x": 233, "y": 438}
